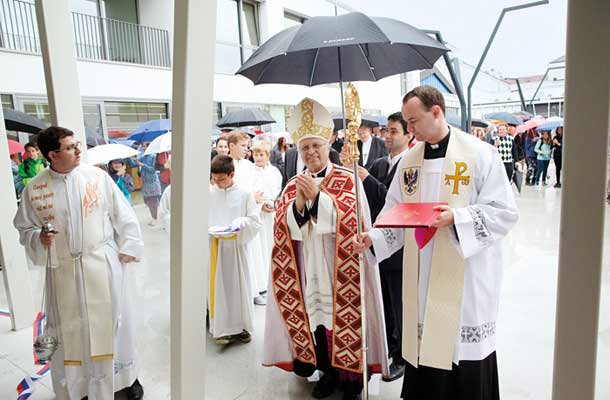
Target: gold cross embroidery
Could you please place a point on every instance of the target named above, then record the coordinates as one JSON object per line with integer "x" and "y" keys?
{"x": 460, "y": 169}
{"x": 308, "y": 127}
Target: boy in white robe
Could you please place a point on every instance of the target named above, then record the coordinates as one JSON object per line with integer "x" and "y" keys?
{"x": 268, "y": 181}
{"x": 230, "y": 295}
{"x": 244, "y": 177}
{"x": 96, "y": 237}
{"x": 450, "y": 297}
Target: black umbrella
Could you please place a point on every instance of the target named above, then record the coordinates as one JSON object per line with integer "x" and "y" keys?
{"x": 22, "y": 122}
{"x": 345, "y": 48}
{"x": 479, "y": 123}
{"x": 505, "y": 117}
{"x": 367, "y": 120}
{"x": 245, "y": 117}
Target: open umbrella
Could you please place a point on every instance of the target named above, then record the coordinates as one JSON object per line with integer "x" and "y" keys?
{"x": 105, "y": 153}
{"x": 505, "y": 117}
{"x": 15, "y": 147}
{"x": 551, "y": 123}
{"x": 479, "y": 123}
{"x": 367, "y": 120}
{"x": 21, "y": 122}
{"x": 523, "y": 115}
{"x": 161, "y": 144}
{"x": 531, "y": 124}
{"x": 245, "y": 117}
{"x": 148, "y": 131}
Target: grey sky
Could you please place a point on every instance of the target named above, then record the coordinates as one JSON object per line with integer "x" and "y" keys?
{"x": 526, "y": 41}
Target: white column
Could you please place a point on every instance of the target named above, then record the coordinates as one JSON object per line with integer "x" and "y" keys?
{"x": 193, "y": 84}
{"x": 59, "y": 60}
{"x": 587, "y": 109}
{"x": 12, "y": 255}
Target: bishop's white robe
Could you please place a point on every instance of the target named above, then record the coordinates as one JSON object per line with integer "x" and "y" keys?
{"x": 230, "y": 296}
{"x": 121, "y": 234}
{"x": 480, "y": 227}
{"x": 269, "y": 181}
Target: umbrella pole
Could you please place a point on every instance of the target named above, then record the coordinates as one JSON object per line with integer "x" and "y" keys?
{"x": 355, "y": 156}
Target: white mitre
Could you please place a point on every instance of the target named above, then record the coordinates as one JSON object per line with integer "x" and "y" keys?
{"x": 310, "y": 119}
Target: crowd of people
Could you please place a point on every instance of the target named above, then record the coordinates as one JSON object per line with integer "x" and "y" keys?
{"x": 283, "y": 236}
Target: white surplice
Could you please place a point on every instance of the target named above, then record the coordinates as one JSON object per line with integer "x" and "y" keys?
{"x": 165, "y": 208}
{"x": 267, "y": 180}
{"x": 96, "y": 379}
{"x": 315, "y": 251}
{"x": 480, "y": 227}
{"x": 233, "y": 305}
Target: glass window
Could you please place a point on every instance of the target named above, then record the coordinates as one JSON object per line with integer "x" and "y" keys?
{"x": 227, "y": 58}
{"x": 127, "y": 116}
{"x": 292, "y": 20}
{"x": 93, "y": 117}
{"x": 88, "y": 7}
{"x": 38, "y": 109}
{"x": 250, "y": 21}
{"x": 7, "y": 101}
{"x": 227, "y": 26}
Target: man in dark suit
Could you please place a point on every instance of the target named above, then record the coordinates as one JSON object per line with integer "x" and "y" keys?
{"x": 376, "y": 182}
{"x": 292, "y": 163}
{"x": 371, "y": 147}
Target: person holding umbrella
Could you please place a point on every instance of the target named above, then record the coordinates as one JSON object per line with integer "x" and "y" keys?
{"x": 453, "y": 270}
{"x": 151, "y": 185}
{"x": 558, "y": 154}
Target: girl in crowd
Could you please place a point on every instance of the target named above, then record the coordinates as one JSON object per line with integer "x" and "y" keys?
{"x": 530, "y": 156}
{"x": 558, "y": 154}
{"x": 543, "y": 149}
{"x": 118, "y": 172}
{"x": 151, "y": 186}
{"x": 278, "y": 154}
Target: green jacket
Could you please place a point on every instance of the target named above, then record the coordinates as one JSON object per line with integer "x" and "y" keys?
{"x": 29, "y": 168}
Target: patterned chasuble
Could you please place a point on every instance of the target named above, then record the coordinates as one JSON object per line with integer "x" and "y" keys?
{"x": 347, "y": 323}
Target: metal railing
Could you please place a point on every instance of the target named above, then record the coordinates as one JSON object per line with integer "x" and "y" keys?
{"x": 95, "y": 38}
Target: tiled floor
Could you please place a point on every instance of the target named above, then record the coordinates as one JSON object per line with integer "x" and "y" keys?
{"x": 526, "y": 325}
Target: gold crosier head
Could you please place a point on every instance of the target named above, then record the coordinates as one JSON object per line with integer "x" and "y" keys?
{"x": 353, "y": 113}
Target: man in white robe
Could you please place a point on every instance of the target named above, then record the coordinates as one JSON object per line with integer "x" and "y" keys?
{"x": 313, "y": 318}
{"x": 230, "y": 296}
{"x": 245, "y": 177}
{"x": 97, "y": 236}
{"x": 450, "y": 297}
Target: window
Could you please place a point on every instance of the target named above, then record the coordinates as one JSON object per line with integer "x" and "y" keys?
{"x": 92, "y": 115}
{"x": 292, "y": 19}
{"x": 127, "y": 116}
{"x": 237, "y": 34}
{"x": 38, "y": 109}
{"x": 7, "y": 101}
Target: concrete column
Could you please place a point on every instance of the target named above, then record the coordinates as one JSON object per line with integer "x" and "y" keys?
{"x": 193, "y": 86}
{"x": 59, "y": 60}
{"x": 12, "y": 255}
{"x": 587, "y": 113}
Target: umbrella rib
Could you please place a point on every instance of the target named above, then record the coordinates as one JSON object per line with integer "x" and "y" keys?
{"x": 368, "y": 63}
{"x": 315, "y": 64}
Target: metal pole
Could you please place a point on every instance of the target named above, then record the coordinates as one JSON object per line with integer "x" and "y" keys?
{"x": 523, "y": 107}
{"x": 489, "y": 42}
{"x": 457, "y": 83}
{"x": 542, "y": 81}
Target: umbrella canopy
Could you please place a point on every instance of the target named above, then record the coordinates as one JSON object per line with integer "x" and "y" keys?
{"x": 479, "y": 123}
{"x": 523, "y": 115}
{"x": 245, "y": 117}
{"x": 531, "y": 124}
{"x": 370, "y": 48}
{"x": 551, "y": 123}
{"x": 105, "y": 153}
{"x": 161, "y": 144}
{"x": 148, "y": 131}
{"x": 22, "y": 122}
{"x": 15, "y": 147}
{"x": 367, "y": 120}
{"x": 505, "y": 117}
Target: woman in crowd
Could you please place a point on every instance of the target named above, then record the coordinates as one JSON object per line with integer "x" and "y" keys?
{"x": 558, "y": 154}
{"x": 31, "y": 166}
{"x": 543, "y": 158}
{"x": 118, "y": 172}
{"x": 530, "y": 156}
{"x": 278, "y": 154}
{"x": 151, "y": 186}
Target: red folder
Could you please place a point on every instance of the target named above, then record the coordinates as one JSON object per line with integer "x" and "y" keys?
{"x": 409, "y": 215}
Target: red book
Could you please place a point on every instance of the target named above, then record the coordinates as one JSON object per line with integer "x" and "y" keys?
{"x": 409, "y": 215}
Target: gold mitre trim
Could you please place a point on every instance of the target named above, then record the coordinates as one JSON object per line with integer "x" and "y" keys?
{"x": 310, "y": 119}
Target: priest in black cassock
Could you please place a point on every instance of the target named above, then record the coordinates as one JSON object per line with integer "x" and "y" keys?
{"x": 452, "y": 272}
{"x": 376, "y": 183}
